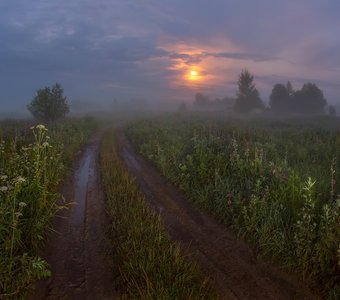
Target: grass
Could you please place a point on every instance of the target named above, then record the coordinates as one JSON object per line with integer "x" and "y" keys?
{"x": 32, "y": 164}
{"x": 274, "y": 182}
{"x": 150, "y": 264}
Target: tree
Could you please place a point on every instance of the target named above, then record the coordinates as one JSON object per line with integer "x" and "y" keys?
{"x": 201, "y": 101}
{"x": 289, "y": 88}
{"x": 248, "y": 98}
{"x": 309, "y": 100}
{"x": 49, "y": 104}
{"x": 279, "y": 100}
{"x": 182, "y": 109}
{"x": 332, "y": 110}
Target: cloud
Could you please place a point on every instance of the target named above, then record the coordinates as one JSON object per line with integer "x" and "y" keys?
{"x": 191, "y": 59}
{"x": 98, "y": 49}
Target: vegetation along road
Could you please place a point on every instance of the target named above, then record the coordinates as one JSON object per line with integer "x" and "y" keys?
{"x": 230, "y": 264}
{"x": 80, "y": 269}
{"x": 76, "y": 248}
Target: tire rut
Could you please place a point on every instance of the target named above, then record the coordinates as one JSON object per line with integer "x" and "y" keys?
{"x": 232, "y": 267}
{"x": 75, "y": 249}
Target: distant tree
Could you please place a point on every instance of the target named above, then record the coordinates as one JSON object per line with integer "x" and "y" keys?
{"x": 224, "y": 104}
{"x": 332, "y": 110}
{"x": 182, "y": 108}
{"x": 289, "y": 88}
{"x": 279, "y": 100}
{"x": 309, "y": 100}
{"x": 248, "y": 97}
{"x": 201, "y": 101}
{"x": 49, "y": 104}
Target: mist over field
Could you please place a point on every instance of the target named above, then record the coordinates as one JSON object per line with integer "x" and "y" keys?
{"x": 159, "y": 54}
{"x": 183, "y": 149}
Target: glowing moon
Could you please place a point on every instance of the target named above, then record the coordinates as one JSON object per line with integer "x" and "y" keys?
{"x": 193, "y": 75}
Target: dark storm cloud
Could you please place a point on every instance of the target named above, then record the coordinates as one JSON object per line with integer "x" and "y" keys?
{"x": 105, "y": 49}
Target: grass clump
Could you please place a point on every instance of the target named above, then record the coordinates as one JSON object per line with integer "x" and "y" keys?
{"x": 31, "y": 168}
{"x": 150, "y": 264}
{"x": 276, "y": 186}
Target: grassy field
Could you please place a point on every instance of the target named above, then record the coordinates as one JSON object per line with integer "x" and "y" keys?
{"x": 275, "y": 182}
{"x": 33, "y": 161}
{"x": 150, "y": 265}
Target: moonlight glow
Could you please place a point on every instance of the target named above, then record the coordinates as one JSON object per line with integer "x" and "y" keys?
{"x": 193, "y": 75}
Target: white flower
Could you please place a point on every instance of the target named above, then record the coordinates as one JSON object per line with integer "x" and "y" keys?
{"x": 3, "y": 177}
{"x": 20, "y": 179}
{"x": 18, "y": 214}
{"x": 22, "y": 204}
{"x": 41, "y": 127}
{"x": 3, "y": 188}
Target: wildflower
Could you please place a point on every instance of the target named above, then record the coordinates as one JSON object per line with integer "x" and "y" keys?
{"x": 3, "y": 177}
{"x": 22, "y": 204}
{"x": 3, "y": 188}
{"x": 45, "y": 144}
{"x": 337, "y": 202}
{"x": 41, "y": 127}
{"x": 20, "y": 179}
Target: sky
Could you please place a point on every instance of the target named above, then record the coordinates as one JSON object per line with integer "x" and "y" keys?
{"x": 165, "y": 51}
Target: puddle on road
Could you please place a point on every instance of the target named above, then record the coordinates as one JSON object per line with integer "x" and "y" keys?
{"x": 82, "y": 176}
{"x": 75, "y": 249}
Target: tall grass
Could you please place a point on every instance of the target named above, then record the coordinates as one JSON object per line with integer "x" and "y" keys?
{"x": 31, "y": 167}
{"x": 150, "y": 265}
{"x": 277, "y": 186}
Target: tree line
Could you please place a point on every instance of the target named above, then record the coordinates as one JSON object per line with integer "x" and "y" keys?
{"x": 49, "y": 104}
{"x": 283, "y": 98}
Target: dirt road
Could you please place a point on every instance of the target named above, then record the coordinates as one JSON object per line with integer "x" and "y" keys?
{"x": 76, "y": 249}
{"x": 234, "y": 270}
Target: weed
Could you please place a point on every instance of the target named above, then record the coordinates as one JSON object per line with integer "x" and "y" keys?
{"x": 31, "y": 168}
{"x": 275, "y": 185}
{"x": 151, "y": 266}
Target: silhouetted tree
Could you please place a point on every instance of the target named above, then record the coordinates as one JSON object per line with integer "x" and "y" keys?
{"x": 226, "y": 103}
{"x": 49, "y": 104}
{"x": 309, "y": 100}
{"x": 182, "y": 108}
{"x": 289, "y": 88}
{"x": 248, "y": 97}
{"x": 201, "y": 101}
{"x": 332, "y": 110}
{"x": 279, "y": 100}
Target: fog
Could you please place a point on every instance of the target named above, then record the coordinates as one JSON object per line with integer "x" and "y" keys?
{"x": 156, "y": 55}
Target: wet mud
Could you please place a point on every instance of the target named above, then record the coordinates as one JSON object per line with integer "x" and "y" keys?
{"x": 233, "y": 268}
{"x": 76, "y": 247}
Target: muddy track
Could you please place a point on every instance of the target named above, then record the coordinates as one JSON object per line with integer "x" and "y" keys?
{"x": 231, "y": 265}
{"x": 75, "y": 250}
